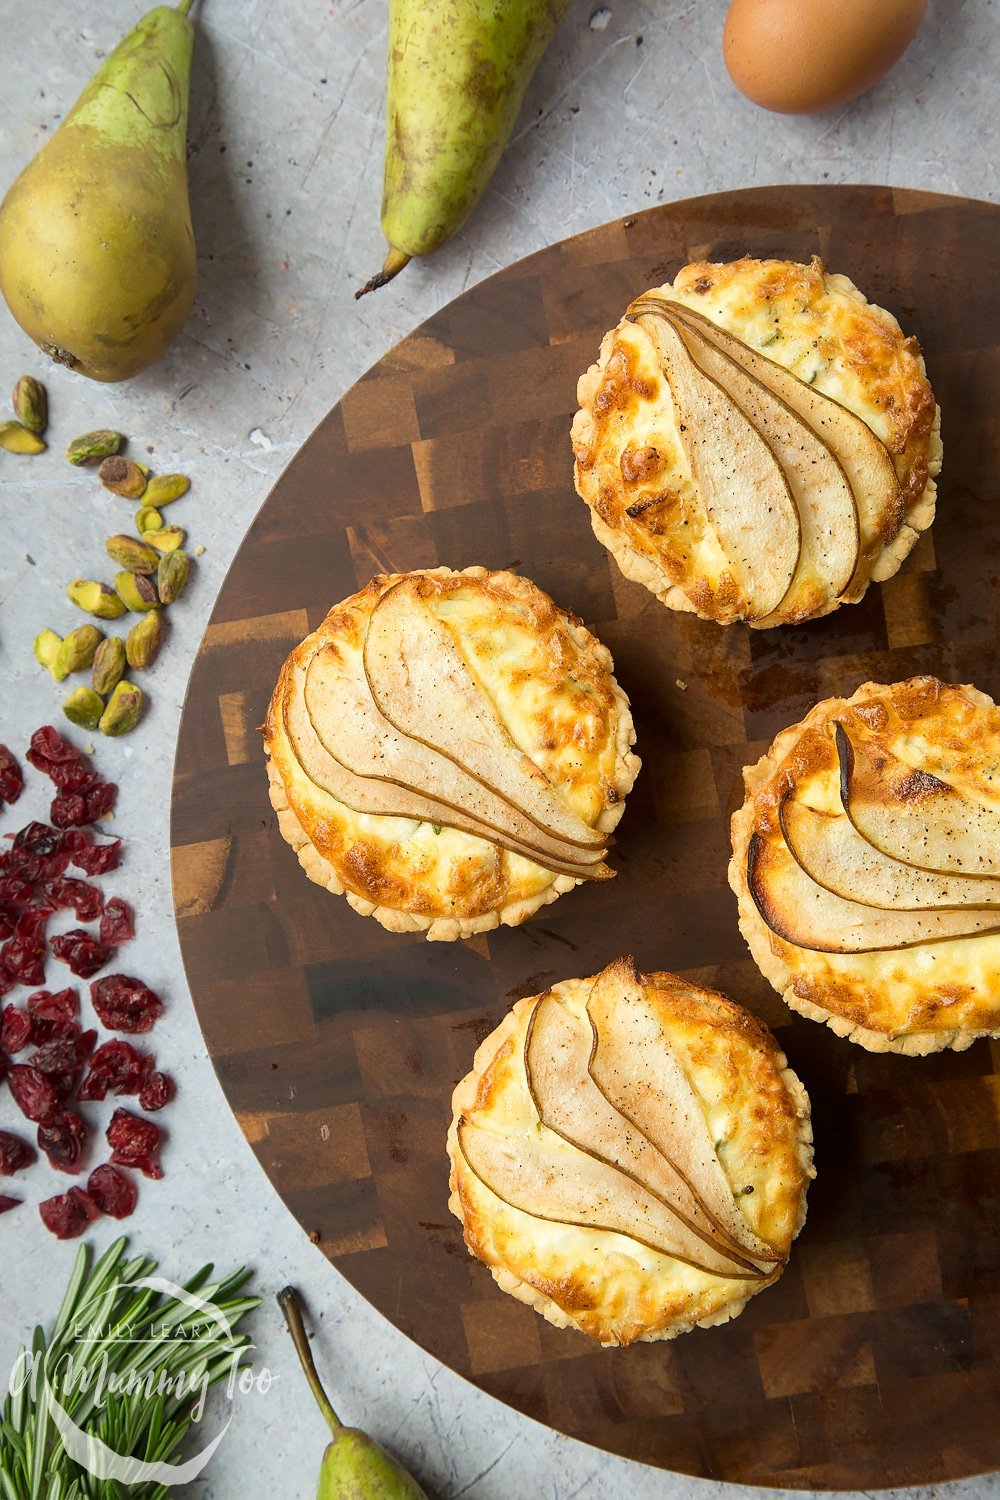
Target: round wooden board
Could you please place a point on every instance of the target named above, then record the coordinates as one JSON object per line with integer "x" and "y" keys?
{"x": 876, "y": 1359}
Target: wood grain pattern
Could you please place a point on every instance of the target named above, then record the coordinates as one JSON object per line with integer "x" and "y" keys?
{"x": 876, "y": 1359}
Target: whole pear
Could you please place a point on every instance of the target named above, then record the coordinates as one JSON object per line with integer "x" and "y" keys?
{"x": 354, "y": 1466}
{"x": 97, "y": 254}
{"x": 457, "y": 73}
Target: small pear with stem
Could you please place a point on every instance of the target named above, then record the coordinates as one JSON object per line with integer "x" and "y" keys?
{"x": 354, "y": 1466}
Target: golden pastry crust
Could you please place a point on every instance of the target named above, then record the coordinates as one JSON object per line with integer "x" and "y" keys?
{"x": 604, "y": 1283}
{"x": 554, "y": 688}
{"x": 912, "y": 1000}
{"x": 631, "y": 469}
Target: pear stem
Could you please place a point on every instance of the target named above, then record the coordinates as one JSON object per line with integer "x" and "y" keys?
{"x": 391, "y": 267}
{"x": 184, "y": 7}
{"x": 288, "y": 1301}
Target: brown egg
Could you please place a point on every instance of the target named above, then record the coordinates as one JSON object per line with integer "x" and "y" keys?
{"x": 801, "y": 56}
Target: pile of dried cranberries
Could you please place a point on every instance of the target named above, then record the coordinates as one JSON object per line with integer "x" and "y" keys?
{"x": 50, "y": 1062}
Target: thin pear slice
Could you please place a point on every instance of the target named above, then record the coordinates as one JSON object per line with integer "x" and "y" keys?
{"x": 831, "y": 850}
{"x": 802, "y": 912}
{"x": 543, "y": 1176}
{"x": 557, "y": 1051}
{"x": 864, "y": 457}
{"x": 351, "y": 729}
{"x": 423, "y": 685}
{"x": 816, "y": 477}
{"x": 912, "y": 816}
{"x": 637, "y": 1071}
{"x": 364, "y": 794}
{"x": 742, "y": 485}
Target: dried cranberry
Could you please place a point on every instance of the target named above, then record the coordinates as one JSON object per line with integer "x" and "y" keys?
{"x": 133, "y": 1141}
{"x": 68, "y": 810}
{"x": 113, "y": 1192}
{"x": 34, "y": 1094}
{"x": 98, "y": 859}
{"x": 125, "y": 1004}
{"x": 115, "y": 1066}
{"x": 15, "y": 889}
{"x": 117, "y": 923}
{"x": 16, "y": 1029}
{"x": 6, "y": 1204}
{"x": 72, "y": 775}
{"x": 64, "y": 1005}
{"x": 11, "y": 777}
{"x": 100, "y": 800}
{"x": 24, "y": 962}
{"x": 8, "y": 920}
{"x": 60, "y": 1055}
{"x": 85, "y": 899}
{"x": 47, "y": 744}
{"x": 7, "y": 982}
{"x": 15, "y": 1154}
{"x": 37, "y": 838}
{"x": 158, "y": 1090}
{"x": 62, "y": 1139}
{"x": 31, "y": 925}
{"x": 84, "y": 954}
{"x": 69, "y": 1214}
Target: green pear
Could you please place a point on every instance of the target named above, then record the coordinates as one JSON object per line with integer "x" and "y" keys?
{"x": 457, "y": 73}
{"x": 97, "y": 255}
{"x": 354, "y": 1466}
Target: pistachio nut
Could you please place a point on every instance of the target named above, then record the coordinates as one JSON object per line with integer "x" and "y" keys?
{"x": 143, "y": 642}
{"x": 77, "y": 650}
{"x": 147, "y": 519}
{"x": 47, "y": 645}
{"x": 95, "y": 598}
{"x": 163, "y": 488}
{"x": 31, "y": 404}
{"x": 84, "y": 707}
{"x": 136, "y": 591}
{"x": 128, "y": 553}
{"x": 122, "y": 711}
{"x": 109, "y": 664}
{"x": 167, "y": 539}
{"x": 93, "y": 446}
{"x": 17, "y": 438}
{"x": 122, "y": 477}
{"x": 171, "y": 576}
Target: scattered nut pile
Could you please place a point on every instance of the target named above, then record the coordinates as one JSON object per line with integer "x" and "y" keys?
{"x": 152, "y": 573}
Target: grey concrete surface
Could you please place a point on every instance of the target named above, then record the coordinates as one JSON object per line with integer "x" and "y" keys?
{"x": 286, "y": 141}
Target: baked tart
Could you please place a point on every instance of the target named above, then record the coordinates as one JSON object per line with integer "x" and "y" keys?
{"x": 630, "y": 1155}
{"x": 450, "y": 751}
{"x": 757, "y": 442}
{"x": 866, "y": 861}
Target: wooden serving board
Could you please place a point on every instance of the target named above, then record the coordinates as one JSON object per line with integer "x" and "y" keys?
{"x": 876, "y": 1359}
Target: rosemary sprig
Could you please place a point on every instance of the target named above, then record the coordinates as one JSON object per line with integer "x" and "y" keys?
{"x": 113, "y": 1330}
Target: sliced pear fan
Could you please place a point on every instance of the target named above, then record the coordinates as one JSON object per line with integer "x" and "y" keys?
{"x": 819, "y": 486}
{"x": 831, "y": 850}
{"x": 863, "y": 456}
{"x": 637, "y": 1071}
{"x": 544, "y": 1177}
{"x": 352, "y": 730}
{"x": 912, "y": 816}
{"x": 745, "y": 492}
{"x": 557, "y": 1052}
{"x": 423, "y": 685}
{"x": 365, "y": 794}
{"x": 802, "y": 912}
